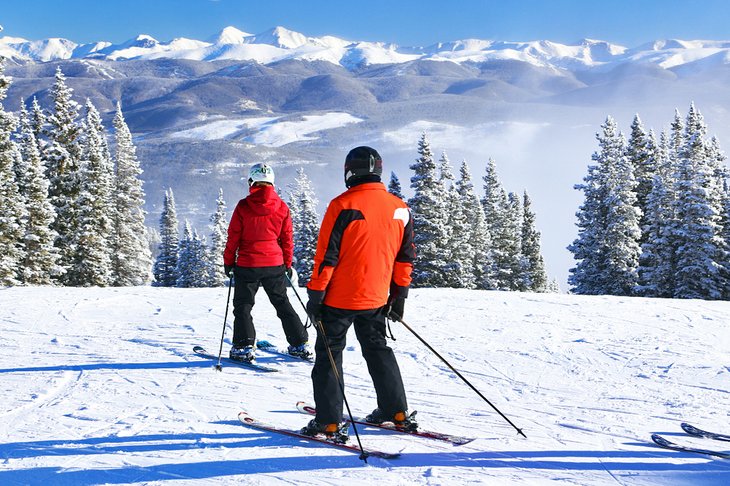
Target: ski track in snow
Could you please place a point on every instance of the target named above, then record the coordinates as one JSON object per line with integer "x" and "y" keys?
{"x": 101, "y": 386}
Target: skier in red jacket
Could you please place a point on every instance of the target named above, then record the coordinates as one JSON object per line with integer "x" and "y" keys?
{"x": 362, "y": 271}
{"x": 258, "y": 252}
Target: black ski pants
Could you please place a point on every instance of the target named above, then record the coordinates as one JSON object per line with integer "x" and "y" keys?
{"x": 247, "y": 281}
{"x": 381, "y": 362}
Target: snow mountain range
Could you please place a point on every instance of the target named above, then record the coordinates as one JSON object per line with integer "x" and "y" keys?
{"x": 202, "y": 112}
{"x": 279, "y": 43}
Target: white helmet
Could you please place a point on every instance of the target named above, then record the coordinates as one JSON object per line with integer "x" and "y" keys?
{"x": 260, "y": 173}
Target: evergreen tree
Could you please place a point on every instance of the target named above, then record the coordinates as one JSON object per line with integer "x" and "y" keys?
{"x": 92, "y": 261}
{"x": 63, "y": 156}
{"x": 476, "y": 230}
{"x": 640, "y": 153}
{"x": 12, "y": 210}
{"x": 512, "y": 264}
{"x": 166, "y": 263}
{"x": 726, "y": 239}
{"x": 132, "y": 258}
{"x": 697, "y": 218}
{"x": 41, "y": 256}
{"x": 533, "y": 274}
{"x": 428, "y": 225}
{"x": 607, "y": 246}
{"x": 553, "y": 287}
{"x": 458, "y": 270}
{"x": 394, "y": 186}
{"x": 192, "y": 268}
{"x": 305, "y": 222}
{"x": 657, "y": 264}
{"x": 38, "y": 125}
{"x": 218, "y": 238}
{"x": 504, "y": 240}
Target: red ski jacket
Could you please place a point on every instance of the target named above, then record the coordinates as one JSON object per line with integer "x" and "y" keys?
{"x": 260, "y": 231}
{"x": 365, "y": 249}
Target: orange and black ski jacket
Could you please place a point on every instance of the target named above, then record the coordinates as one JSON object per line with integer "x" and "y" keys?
{"x": 365, "y": 247}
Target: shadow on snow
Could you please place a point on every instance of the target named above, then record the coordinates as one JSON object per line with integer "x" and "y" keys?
{"x": 708, "y": 471}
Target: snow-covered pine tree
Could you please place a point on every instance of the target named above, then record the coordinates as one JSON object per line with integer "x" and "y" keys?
{"x": 12, "y": 210}
{"x": 394, "y": 186}
{"x": 218, "y": 238}
{"x": 192, "y": 268}
{"x": 41, "y": 256}
{"x": 132, "y": 258}
{"x": 656, "y": 262}
{"x": 91, "y": 240}
{"x": 428, "y": 225}
{"x": 166, "y": 263}
{"x": 607, "y": 247}
{"x": 62, "y": 157}
{"x": 305, "y": 222}
{"x": 640, "y": 153}
{"x": 677, "y": 134}
{"x": 726, "y": 237}
{"x": 504, "y": 241}
{"x": 513, "y": 259}
{"x": 39, "y": 126}
{"x": 533, "y": 273}
{"x": 458, "y": 270}
{"x": 476, "y": 229}
{"x": 717, "y": 192}
{"x": 697, "y": 218}
{"x": 723, "y": 195}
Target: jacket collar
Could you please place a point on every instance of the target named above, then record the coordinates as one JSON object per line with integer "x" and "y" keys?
{"x": 368, "y": 186}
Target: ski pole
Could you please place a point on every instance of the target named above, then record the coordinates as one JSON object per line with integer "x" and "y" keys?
{"x": 225, "y": 317}
{"x": 299, "y": 299}
{"x": 519, "y": 431}
{"x": 320, "y": 328}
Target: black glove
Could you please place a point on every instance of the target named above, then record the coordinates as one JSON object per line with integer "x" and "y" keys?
{"x": 314, "y": 304}
{"x": 394, "y": 309}
{"x": 289, "y": 273}
{"x": 228, "y": 269}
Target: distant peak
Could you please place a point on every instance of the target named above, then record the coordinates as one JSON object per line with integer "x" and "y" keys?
{"x": 281, "y": 37}
{"x": 231, "y": 35}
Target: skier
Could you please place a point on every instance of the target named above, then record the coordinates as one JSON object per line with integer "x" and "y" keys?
{"x": 259, "y": 252}
{"x": 362, "y": 271}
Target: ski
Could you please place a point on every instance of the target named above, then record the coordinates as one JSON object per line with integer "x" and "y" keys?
{"x": 667, "y": 444}
{"x": 305, "y": 408}
{"x": 270, "y": 348}
{"x": 200, "y": 351}
{"x": 694, "y": 431}
{"x": 249, "y": 421}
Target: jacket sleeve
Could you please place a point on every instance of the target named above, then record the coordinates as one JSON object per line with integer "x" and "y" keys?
{"x": 235, "y": 227}
{"x": 404, "y": 262}
{"x": 322, "y": 271}
{"x": 286, "y": 239}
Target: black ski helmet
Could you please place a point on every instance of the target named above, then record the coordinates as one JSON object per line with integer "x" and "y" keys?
{"x": 362, "y": 161}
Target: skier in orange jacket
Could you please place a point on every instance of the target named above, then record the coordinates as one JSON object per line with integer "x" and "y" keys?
{"x": 362, "y": 271}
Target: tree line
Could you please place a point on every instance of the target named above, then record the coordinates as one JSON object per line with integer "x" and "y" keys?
{"x": 461, "y": 241}
{"x": 71, "y": 212}
{"x": 655, "y": 220}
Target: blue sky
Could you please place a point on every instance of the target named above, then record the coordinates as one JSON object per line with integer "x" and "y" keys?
{"x": 404, "y": 22}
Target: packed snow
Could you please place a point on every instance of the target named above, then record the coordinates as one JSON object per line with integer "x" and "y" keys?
{"x": 100, "y": 386}
{"x": 269, "y": 131}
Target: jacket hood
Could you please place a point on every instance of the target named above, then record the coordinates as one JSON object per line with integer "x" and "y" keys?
{"x": 263, "y": 200}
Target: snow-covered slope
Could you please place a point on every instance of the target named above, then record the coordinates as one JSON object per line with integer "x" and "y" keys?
{"x": 100, "y": 386}
{"x": 279, "y": 43}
